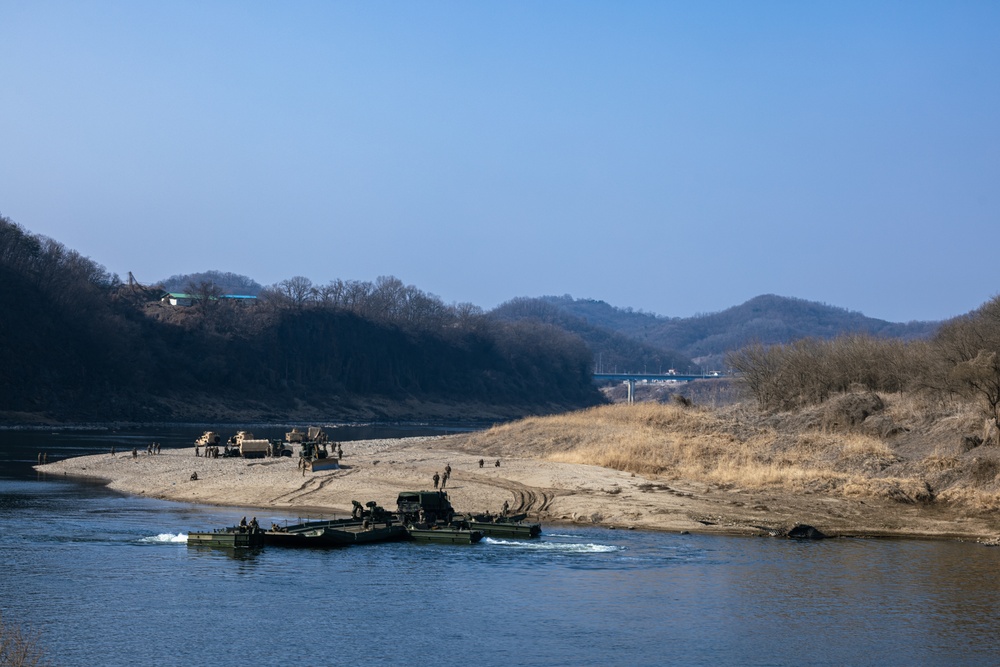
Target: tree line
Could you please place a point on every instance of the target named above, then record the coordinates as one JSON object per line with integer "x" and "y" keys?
{"x": 78, "y": 342}
{"x": 961, "y": 359}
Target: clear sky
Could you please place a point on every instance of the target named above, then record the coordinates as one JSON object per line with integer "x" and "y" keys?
{"x": 672, "y": 157}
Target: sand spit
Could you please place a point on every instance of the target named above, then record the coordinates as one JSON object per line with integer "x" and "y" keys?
{"x": 550, "y": 492}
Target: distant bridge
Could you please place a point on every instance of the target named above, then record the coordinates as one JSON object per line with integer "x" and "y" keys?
{"x": 653, "y": 377}
{"x": 632, "y": 378}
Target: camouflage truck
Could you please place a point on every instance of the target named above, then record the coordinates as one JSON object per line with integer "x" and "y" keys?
{"x": 424, "y": 507}
{"x": 248, "y": 447}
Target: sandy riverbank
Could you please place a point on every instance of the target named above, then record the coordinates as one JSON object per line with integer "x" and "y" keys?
{"x": 548, "y": 491}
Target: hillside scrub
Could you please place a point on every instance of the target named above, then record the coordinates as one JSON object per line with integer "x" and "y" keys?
{"x": 909, "y": 450}
{"x": 962, "y": 359}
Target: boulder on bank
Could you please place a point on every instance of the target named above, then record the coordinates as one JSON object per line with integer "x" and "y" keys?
{"x": 803, "y": 531}
{"x": 848, "y": 411}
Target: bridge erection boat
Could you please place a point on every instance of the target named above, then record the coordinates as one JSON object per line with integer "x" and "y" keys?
{"x": 227, "y": 538}
{"x": 505, "y": 526}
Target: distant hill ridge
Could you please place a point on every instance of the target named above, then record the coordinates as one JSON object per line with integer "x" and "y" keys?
{"x": 705, "y": 339}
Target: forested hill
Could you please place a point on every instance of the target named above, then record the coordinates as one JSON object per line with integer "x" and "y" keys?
{"x": 767, "y": 319}
{"x": 76, "y": 344}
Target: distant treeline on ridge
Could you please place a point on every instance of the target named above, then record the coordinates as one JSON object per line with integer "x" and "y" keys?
{"x": 78, "y": 343}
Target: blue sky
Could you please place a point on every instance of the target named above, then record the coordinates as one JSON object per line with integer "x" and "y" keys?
{"x": 672, "y": 157}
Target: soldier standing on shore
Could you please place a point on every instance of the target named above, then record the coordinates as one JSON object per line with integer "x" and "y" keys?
{"x": 436, "y": 478}
{"x": 481, "y": 462}
{"x": 444, "y": 479}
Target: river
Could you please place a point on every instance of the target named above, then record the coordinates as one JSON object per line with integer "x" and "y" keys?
{"x": 109, "y": 580}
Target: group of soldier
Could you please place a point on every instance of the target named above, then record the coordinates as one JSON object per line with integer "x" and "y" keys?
{"x": 151, "y": 448}
{"x": 252, "y": 527}
{"x": 443, "y": 478}
{"x": 211, "y": 451}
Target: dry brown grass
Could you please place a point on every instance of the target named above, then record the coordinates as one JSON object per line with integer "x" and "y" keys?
{"x": 737, "y": 447}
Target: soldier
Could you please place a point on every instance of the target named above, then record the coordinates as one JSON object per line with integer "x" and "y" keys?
{"x": 135, "y": 453}
{"x": 444, "y": 479}
{"x": 112, "y": 450}
{"x": 447, "y": 470}
{"x": 506, "y": 507}
{"x": 243, "y": 525}
{"x": 497, "y": 464}
{"x": 481, "y": 462}
{"x": 436, "y": 478}
{"x": 197, "y": 450}
{"x": 45, "y": 457}
{"x": 39, "y": 458}
{"x": 340, "y": 451}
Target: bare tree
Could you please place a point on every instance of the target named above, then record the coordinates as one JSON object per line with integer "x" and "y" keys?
{"x": 970, "y": 346}
{"x": 298, "y": 291}
{"x": 18, "y": 649}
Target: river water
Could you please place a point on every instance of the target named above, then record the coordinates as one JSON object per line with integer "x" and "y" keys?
{"x": 109, "y": 580}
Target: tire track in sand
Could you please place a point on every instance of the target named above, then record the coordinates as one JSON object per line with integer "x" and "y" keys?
{"x": 307, "y": 488}
{"x": 527, "y": 500}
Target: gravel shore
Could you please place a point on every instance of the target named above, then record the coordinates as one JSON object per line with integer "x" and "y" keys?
{"x": 549, "y": 492}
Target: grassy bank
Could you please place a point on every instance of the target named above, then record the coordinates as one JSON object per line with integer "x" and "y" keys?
{"x": 894, "y": 447}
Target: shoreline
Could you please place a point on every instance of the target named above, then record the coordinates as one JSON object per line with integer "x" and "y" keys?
{"x": 552, "y": 493}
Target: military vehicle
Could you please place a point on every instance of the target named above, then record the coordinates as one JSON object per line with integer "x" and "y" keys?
{"x": 429, "y": 517}
{"x": 433, "y": 509}
{"x": 314, "y": 434}
{"x": 313, "y": 453}
{"x": 208, "y": 438}
{"x": 295, "y": 436}
{"x": 365, "y": 526}
{"x": 424, "y": 507}
{"x": 248, "y": 447}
